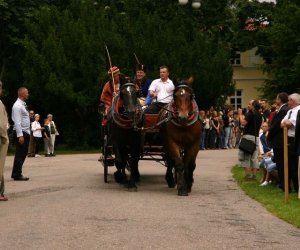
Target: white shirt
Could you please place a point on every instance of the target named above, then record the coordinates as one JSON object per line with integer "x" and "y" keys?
{"x": 20, "y": 117}
{"x": 207, "y": 123}
{"x": 292, "y": 119}
{"x": 36, "y": 129}
{"x": 164, "y": 90}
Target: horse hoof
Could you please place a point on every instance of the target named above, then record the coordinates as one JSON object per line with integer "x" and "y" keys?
{"x": 170, "y": 181}
{"x": 119, "y": 177}
{"x": 171, "y": 184}
{"x": 182, "y": 192}
{"x": 132, "y": 189}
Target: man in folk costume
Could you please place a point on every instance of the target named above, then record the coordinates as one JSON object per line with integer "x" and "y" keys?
{"x": 110, "y": 88}
{"x": 142, "y": 83}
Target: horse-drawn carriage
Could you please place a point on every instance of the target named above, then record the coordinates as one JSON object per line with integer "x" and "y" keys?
{"x": 151, "y": 148}
{"x": 170, "y": 137}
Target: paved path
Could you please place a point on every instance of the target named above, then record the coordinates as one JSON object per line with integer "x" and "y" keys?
{"x": 66, "y": 205}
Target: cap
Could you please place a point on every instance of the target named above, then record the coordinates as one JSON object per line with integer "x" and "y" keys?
{"x": 113, "y": 70}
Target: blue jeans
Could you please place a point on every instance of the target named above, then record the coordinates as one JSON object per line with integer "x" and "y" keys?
{"x": 228, "y": 132}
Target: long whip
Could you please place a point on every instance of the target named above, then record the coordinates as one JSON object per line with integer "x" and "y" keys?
{"x": 136, "y": 58}
{"x": 110, "y": 65}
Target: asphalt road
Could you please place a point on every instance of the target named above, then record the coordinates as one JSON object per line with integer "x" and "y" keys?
{"x": 66, "y": 205}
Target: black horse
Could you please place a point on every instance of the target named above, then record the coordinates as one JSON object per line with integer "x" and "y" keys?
{"x": 181, "y": 135}
{"x": 124, "y": 119}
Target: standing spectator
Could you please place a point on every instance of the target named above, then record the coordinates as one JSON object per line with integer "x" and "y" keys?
{"x": 202, "y": 119}
{"x": 160, "y": 90}
{"x": 53, "y": 133}
{"x": 37, "y": 133}
{"x": 265, "y": 111}
{"x": 241, "y": 117}
{"x": 289, "y": 121}
{"x": 297, "y": 146}
{"x": 46, "y": 137}
{"x": 252, "y": 123}
{"x": 275, "y": 135}
{"x": 32, "y": 143}
{"x": 235, "y": 129}
{"x": 20, "y": 117}
{"x": 273, "y": 112}
{"x": 215, "y": 129}
{"x": 207, "y": 128}
{"x": 228, "y": 119}
{"x": 3, "y": 144}
{"x": 221, "y": 135}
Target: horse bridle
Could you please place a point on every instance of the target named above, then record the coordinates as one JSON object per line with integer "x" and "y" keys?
{"x": 120, "y": 119}
{"x": 184, "y": 86}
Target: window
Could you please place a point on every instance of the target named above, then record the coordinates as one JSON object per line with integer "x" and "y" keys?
{"x": 236, "y": 99}
{"x": 235, "y": 57}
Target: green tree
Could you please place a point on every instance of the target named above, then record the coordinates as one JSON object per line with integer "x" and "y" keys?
{"x": 275, "y": 32}
{"x": 65, "y": 63}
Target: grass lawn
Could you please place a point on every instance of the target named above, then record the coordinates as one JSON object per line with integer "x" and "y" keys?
{"x": 271, "y": 197}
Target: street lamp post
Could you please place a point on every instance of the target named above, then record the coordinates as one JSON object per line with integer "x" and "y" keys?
{"x": 195, "y": 3}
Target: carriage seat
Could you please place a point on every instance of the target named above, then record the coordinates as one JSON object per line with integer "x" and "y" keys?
{"x": 150, "y": 120}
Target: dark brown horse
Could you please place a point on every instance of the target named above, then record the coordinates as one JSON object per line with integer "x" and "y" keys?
{"x": 125, "y": 117}
{"x": 181, "y": 136}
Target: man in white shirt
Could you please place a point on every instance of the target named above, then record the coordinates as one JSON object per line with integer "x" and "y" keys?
{"x": 20, "y": 117}
{"x": 289, "y": 121}
{"x": 161, "y": 90}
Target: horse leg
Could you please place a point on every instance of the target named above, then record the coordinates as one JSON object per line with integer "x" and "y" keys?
{"x": 181, "y": 181}
{"x": 190, "y": 163}
{"x": 120, "y": 162}
{"x": 169, "y": 173}
{"x": 180, "y": 171}
{"x": 133, "y": 162}
{"x": 120, "y": 175}
{"x": 132, "y": 178}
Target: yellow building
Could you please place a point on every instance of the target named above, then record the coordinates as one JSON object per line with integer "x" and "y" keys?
{"x": 247, "y": 77}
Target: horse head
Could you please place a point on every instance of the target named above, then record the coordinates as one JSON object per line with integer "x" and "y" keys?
{"x": 183, "y": 99}
{"x": 129, "y": 99}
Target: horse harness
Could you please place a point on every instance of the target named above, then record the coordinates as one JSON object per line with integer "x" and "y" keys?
{"x": 119, "y": 117}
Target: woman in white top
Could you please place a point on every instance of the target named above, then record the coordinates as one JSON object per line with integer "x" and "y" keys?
{"x": 37, "y": 133}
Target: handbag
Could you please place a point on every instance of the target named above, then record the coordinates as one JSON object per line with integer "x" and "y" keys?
{"x": 247, "y": 146}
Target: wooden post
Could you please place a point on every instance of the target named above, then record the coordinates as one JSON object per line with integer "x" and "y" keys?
{"x": 286, "y": 165}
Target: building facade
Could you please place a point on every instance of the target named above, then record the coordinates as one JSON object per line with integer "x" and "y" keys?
{"x": 247, "y": 77}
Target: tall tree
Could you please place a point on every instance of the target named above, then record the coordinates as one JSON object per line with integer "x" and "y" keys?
{"x": 65, "y": 66}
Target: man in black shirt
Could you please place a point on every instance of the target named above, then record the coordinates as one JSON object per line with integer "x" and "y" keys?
{"x": 265, "y": 111}
{"x": 275, "y": 135}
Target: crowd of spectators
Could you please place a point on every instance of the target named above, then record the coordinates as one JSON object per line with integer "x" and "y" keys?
{"x": 221, "y": 129}
{"x": 224, "y": 129}
{"x": 269, "y": 154}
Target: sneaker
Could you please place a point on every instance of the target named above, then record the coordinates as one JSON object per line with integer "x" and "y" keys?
{"x": 265, "y": 183}
{"x": 37, "y": 155}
